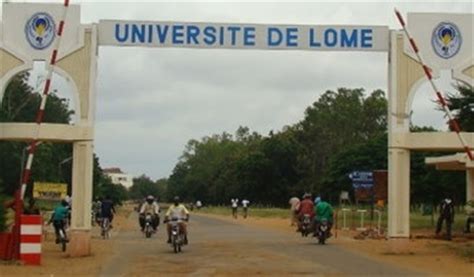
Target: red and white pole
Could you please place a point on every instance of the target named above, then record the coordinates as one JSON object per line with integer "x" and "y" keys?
{"x": 26, "y": 174}
{"x": 453, "y": 123}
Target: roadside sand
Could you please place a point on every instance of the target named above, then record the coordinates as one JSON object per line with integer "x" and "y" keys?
{"x": 57, "y": 263}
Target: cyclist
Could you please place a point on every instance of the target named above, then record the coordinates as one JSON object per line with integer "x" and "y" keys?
{"x": 58, "y": 219}
{"x": 107, "y": 209}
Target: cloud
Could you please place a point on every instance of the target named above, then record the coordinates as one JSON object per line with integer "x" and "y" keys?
{"x": 150, "y": 102}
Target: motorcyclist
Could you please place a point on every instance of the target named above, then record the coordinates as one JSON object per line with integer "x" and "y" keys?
{"x": 58, "y": 219}
{"x": 150, "y": 207}
{"x": 177, "y": 211}
{"x": 323, "y": 211}
{"x": 306, "y": 207}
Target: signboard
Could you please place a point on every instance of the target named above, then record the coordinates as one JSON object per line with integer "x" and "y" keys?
{"x": 362, "y": 179}
{"x": 243, "y": 36}
{"x": 49, "y": 191}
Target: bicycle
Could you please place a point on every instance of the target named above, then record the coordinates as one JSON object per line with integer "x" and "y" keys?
{"x": 105, "y": 228}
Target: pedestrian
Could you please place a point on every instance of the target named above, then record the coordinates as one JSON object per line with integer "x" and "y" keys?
{"x": 294, "y": 206}
{"x": 198, "y": 204}
{"x": 234, "y": 205}
{"x": 245, "y": 206}
{"x": 469, "y": 208}
{"x": 32, "y": 209}
{"x": 446, "y": 213}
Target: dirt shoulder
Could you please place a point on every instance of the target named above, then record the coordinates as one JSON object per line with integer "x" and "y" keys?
{"x": 57, "y": 263}
{"x": 432, "y": 256}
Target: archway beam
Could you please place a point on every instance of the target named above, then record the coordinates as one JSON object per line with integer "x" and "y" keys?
{"x": 431, "y": 141}
{"x": 48, "y": 132}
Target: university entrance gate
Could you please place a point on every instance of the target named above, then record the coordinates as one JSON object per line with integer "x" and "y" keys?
{"x": 54, "y": 33}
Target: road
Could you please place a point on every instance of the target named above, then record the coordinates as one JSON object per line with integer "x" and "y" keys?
{"x": 220, "y": 247}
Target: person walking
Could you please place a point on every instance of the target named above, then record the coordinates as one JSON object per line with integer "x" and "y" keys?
{"x": 245, "y": 207}
{"x": 446, "y": 213}
{"x": 469, "y": 208}
{"x": 234, "y": 205}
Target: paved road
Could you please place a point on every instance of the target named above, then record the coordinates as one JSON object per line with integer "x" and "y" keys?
{"x": 220, "y": 247}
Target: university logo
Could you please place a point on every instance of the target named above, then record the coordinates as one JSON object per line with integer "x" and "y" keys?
{"x": 446, "y": 40}
{"x": 40, "y": 30}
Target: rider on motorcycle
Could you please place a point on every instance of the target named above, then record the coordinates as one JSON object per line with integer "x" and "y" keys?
{"x": 150, "y": 207}
{"x": 323, "y": 211}
{"x": 306, "y": 207}
{"x": 177, "y": 211}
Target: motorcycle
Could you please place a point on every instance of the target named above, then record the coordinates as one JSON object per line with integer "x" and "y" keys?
{"x": 148, "y": 230}
{"x": 177, "y": 236}
{"x": 322, "y": 231}
{"x": 306, "y": 225}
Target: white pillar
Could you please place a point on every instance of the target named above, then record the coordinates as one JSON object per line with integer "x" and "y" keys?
{"x": 469, "y": 184}
{"x": 82, "y": 169}
{"x": 398, "y": 193}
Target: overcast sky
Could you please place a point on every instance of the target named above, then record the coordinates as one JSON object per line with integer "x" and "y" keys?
{"x": 150, "y": 102}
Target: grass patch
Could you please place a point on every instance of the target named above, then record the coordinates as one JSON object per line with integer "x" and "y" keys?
{"x": 417, "y": 220}
{"x": 262, "y": 212}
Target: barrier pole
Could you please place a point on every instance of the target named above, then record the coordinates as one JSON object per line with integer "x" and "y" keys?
{"x": 26, "y": 174}
{"x": 453, "y": 123}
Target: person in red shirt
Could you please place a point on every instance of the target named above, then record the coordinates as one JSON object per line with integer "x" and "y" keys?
{"x": 306, "y": 207}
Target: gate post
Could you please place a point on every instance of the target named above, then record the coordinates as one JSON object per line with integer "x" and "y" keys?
{"x": 83, "y": 165}
{"x": 398, "y": 193}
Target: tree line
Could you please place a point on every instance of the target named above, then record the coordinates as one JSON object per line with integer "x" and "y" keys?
{"x": 342, "y": 131}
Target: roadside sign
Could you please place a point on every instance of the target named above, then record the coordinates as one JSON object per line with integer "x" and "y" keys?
{"x": 49, "y": 191}
{"x": 362, "y": 179}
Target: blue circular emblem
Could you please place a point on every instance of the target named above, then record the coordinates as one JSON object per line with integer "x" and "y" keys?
{"x": 40, "y": 30}
{"x": 446, "y": 40}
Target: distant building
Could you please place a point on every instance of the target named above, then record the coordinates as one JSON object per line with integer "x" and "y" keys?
{"x": 119, "y": 177}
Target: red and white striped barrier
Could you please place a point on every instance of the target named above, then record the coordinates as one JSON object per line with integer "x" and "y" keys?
{"x": 453, "y": 123}
{"x": 26, "y": 174}
{"x": 31, "y": 230}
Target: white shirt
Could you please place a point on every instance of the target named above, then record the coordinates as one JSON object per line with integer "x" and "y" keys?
{"x": 198, "y": 203}
{"x": 235, "y": 202}
{"x": 245, "y": 203}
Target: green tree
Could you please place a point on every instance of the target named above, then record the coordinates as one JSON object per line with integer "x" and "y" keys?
{"x": 337, "y": 121}
{"x": 20, "y": 104}
{"x": 462, "y": 104}
{"x": 144, "y": 186}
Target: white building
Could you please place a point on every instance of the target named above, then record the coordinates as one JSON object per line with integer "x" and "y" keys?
{"x": 118, "y": 177}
